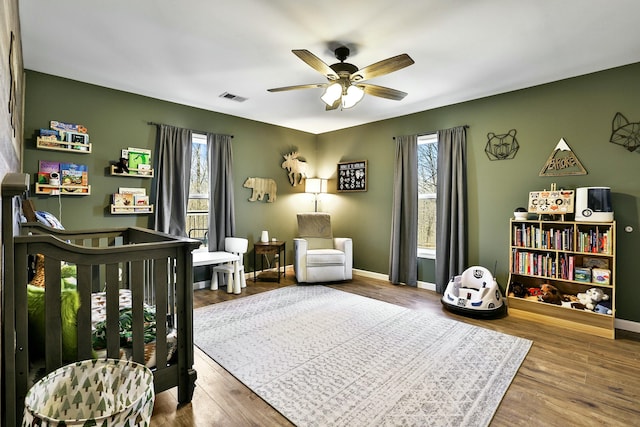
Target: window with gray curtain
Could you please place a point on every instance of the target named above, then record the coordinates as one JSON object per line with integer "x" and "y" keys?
{"x": 174, "y": 153}
{"x": 451, "y": 196}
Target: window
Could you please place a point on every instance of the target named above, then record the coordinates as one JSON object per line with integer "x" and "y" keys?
{"x": 427, "y": 180}
{"x": 198, "y": 205}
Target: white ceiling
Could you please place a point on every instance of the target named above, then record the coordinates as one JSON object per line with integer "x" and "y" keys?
{"x": 192, "y": 51}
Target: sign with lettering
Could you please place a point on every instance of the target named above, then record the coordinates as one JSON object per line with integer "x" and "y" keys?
{"x": 352, "y": 176}
{"x": 562, "y": 161}
{"x": 554, "y": 202}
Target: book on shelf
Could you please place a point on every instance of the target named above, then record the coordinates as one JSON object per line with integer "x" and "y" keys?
{"x": 123, "y": 200}
{"x": 74, "y": 174}
{"x": 140, "y": 200}
{"x": 132, "y": 190}
{"x": 139, "y": 161}
{"x": 45, "y": 169}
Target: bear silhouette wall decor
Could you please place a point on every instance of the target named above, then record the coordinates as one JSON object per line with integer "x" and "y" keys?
{"x": 502, "y": 147}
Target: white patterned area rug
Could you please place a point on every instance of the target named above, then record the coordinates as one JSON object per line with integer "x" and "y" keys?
{"x": 324, "y": 357}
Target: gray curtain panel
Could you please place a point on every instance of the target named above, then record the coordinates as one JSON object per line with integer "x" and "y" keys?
{"x": 451, "y": 224}
{"x": 221, "y": 203}
{"x": 172, "y": 180}
{"x": 403, "y": 253}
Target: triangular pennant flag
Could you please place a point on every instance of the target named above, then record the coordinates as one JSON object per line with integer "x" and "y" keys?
{"x": 562, "y": 161}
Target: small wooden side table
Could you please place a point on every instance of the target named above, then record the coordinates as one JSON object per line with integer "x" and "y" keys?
{"x": 269, "y": 248}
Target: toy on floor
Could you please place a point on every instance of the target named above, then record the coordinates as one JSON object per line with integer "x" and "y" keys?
{"x": 475, "y": 293}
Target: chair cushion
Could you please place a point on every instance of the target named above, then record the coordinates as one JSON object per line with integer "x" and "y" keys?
{"x": 319, "y": 243}
{"x": 322, "y": 257}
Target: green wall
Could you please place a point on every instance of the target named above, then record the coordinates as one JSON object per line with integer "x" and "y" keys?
{"x": 118, "y": 120}
{"x": 580, "y": 110}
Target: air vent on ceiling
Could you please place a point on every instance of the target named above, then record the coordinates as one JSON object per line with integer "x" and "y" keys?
{"x": 233, "y": 97}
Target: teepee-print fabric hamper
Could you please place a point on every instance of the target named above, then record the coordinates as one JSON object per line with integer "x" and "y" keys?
{"x": 98, "y": 392}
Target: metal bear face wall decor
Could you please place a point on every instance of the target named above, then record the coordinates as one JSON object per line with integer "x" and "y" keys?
{"x": 502, "y": 147}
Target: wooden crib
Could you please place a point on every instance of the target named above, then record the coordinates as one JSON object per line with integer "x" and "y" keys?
{"x": 155, "y": 268}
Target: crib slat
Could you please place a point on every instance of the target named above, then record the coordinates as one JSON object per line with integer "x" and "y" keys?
{"x": 52, "y": 314}
{"x": 136, "y": 283}
{"x": 113, "y": 312}
{"x": 160, "y": 275}
{"x": 84, "y": 273}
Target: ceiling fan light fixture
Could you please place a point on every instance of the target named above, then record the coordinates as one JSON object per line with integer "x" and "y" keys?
{"x": 352, "y": 96}
{"x": 332, "y": 93}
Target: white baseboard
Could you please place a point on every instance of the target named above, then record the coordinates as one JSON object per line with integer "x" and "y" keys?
{"x": 380, "y": 276}
{"x": 627, "y": 325}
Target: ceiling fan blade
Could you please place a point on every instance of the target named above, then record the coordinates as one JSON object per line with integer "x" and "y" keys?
{"x": 308, "y": 86}
{"x": 382, "y": 92}
{"x": 316, "y": 63}
{"x": 383, "y": 67}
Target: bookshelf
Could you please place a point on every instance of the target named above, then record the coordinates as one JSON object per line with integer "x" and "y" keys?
{"x": 66, "y": 146}
{"x": 563, "y": 254}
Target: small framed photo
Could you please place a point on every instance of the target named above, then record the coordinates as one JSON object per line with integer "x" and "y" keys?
{"x": 352, "y": 176}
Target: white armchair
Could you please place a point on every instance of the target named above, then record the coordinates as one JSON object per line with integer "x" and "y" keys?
{"x": 318, "y": 256}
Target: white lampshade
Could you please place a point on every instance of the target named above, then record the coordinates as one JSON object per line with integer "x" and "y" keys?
{"x": 315, "y": 185}
{"x": 332, "y": 94}
{"x": 352, "y": 97}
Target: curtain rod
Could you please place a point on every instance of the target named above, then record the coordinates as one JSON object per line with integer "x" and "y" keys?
{"x": 193, "y": 130}
{"x": 435, "y": 131}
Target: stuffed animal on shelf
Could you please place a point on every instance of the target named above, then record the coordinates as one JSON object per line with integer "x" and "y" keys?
{"x": 603, "y": 307}
{"x": 518, "y": 290}
{"x": 572, "y": 301}
{"x": 121, "y": 166}
{"x": 533, "y": 294}
{"x": 592, "y": 297}
{"x": 550, "y": 294}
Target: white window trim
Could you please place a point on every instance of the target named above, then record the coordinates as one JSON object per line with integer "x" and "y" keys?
{"x": 425, "y": 253}
{"x": 198, "y": 138}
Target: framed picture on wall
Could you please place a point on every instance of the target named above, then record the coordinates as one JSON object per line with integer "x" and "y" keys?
{"x": 352, "y": 176}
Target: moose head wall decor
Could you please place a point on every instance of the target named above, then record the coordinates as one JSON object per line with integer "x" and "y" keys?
{"x": 295, "y": 167}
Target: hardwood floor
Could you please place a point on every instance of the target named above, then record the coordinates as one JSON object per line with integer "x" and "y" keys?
{"x": 567, "y": 379}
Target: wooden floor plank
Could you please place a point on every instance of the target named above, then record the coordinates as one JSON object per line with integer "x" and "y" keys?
{"x": 567, "y": 379}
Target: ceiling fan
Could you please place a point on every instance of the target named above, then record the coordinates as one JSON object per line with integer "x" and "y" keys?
{"x": 345, "y": 87}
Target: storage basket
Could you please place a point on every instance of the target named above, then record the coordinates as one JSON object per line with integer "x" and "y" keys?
{"x": 102, "y": 392}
